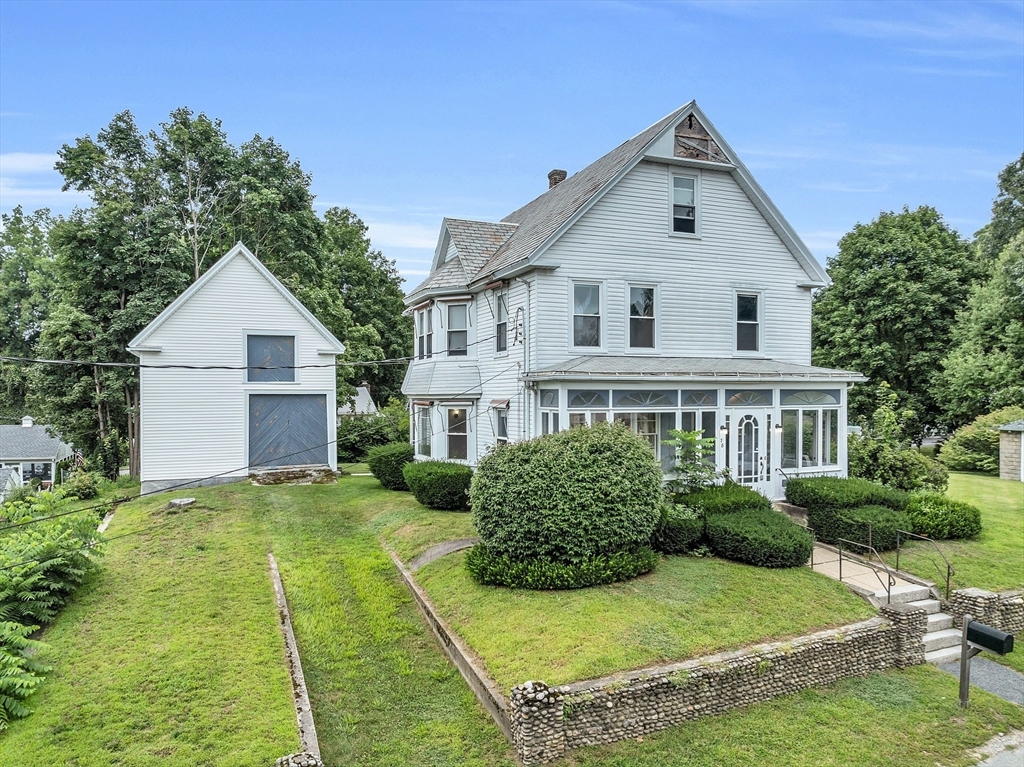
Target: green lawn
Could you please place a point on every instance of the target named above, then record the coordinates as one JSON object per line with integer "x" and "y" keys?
{"x": 172, "y": 655}
{"x": 995, "y": 559}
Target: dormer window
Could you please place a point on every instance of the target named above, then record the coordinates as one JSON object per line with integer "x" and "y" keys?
{"x": 458, "y": 330}
{"x": 684, "y": 204}
{"x": 425, "y": 333}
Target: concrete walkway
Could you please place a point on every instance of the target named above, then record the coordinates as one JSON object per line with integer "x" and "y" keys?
{"x": 440, "y": 550}
{"x": 1003, "y": 751}
{"x": 871, "y": 579}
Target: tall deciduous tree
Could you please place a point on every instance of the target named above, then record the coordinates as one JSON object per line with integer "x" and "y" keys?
{"x": 26, "y": 283}
{"x": 897, "y": 285}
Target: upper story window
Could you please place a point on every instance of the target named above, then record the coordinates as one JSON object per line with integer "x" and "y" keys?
{"x": 684, "y": 204}
{"x": 458, "y": 330}
{"x": 586, "y": 314}
{"x": 501, "y": 320}
{"x": 425, "y": 333}
{"x": 270, "y": 359}
{"x": 641, "y": 317}
{"x": 748, "y": 322}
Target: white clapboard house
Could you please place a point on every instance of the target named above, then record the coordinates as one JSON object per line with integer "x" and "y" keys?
{"x": 659, "y": 287}
{"x": 263, "y": 409}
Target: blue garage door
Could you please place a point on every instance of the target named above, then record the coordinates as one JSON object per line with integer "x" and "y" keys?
{"x": 287, "y": 429}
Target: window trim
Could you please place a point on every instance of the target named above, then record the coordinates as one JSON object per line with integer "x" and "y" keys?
{"x": 296, "y": 359}
{"x": 697, "y": 177}
{"x": 425, "y": 317}
{"x": 648, "y": 350}
{"x": 602, "y": 315}
{"x": 448, "y": 331}
{"x": 737, "y": 292}
{"x": 501, "y": 296}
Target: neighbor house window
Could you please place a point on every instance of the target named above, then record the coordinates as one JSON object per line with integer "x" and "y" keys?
{"x": 424, "y": 431}
{"x": 458, "y": 434}
{"x": 270, "y": 359}
{"x": 501, "y": 320}
{"x": 641, "y": 318}
{"x": 425, "y": 333}
{"x": 684, "y": 204}
{"x": 41, "y": 471}
{"x": 458, "y": 330}
{"x": 586, "y": 314}
{"x": 748, "y": 323}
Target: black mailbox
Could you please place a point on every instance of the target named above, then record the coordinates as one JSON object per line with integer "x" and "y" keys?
{"x": 989, "y": 638}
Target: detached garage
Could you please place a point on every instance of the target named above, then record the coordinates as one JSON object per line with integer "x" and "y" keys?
{"x": 237, "y": 375}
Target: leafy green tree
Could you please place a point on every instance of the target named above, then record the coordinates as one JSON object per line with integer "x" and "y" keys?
{"x": 1007, "y": 213}
{"x": 26, "y": 284}
{"x": 897, "y": 285}
{"x": 372, "y": 290}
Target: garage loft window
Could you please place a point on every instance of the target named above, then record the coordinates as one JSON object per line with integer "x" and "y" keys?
{"x": 270, "y": 359}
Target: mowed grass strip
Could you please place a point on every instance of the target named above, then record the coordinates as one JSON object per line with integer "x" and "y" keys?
{"x": 995, "y": 559}
{"x": 171, "y": 655}
{"x": 908, "y": 718}
{"x": 686, "y": 608}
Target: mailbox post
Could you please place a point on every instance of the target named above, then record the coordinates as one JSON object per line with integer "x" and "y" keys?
{"x": 975, "y": 638}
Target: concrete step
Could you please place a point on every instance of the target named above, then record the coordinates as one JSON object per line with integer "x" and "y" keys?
{"x": 931, "y": 606}
{"x": 939, "y": 621}
{"x": 898, "y": 594}
{"x": 938, "y": 640}
{"x": 945, "y": 655}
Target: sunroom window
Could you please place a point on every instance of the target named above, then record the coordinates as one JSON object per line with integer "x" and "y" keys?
{"x": 586, "y": 314}
{"x": 810, "y": 438}
{"x": 641, "y": 318}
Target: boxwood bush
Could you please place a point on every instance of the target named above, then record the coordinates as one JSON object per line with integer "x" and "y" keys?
{"x": 844, "y": 508}
{"x": 761, "y": 537}
{"x": 496, "y": 570}
{"x": 386, "y": 462}
{"x": 864, "y": 524}
{"x": 568, "y": 497}
{"x": 938, "y": 516}
{"x": 724, "y": 499}
{"x": 830, "y": 493}
{"x": 439, "y": 484}
{"x": 680, "y": 529}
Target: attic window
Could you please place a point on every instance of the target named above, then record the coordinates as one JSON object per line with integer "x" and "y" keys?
{"x": 270, "y": 359}
{"x": 684, "y": 204}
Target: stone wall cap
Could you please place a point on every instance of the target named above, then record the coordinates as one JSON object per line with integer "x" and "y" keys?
{"x": 975, "y": 592}
{"x": 902, "y": 607}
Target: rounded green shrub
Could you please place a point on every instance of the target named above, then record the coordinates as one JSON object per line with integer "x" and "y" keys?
{"x": 83, "y": 485}
{"x": 439, "y": 484}
{"x": 680, "y": 530}
{"x": 724, "y": 499}
{"x": 975, "y": 447}
{"x": 760, "y": 537}
{"x": 386, "y": 463}
{"x": 495, "y": 570}
{"x": 939, "y": 516}
{"x": 568, "y": 497}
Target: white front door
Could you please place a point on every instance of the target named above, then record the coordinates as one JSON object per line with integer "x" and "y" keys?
{"x": 750, "y": 459}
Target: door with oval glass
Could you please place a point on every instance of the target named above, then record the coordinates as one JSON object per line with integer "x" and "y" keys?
{"x": 751, "y": 449}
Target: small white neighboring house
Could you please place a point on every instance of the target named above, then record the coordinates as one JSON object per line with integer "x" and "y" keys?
{"x": 211, "y": 426}
{"x": 32, "y": 451}
{"x": 363, "y": 404}
{"x": 10, "y": 480}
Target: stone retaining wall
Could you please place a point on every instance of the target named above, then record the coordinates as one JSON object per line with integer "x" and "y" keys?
{"x": 547, "y": 721}
{"x": 1002, "y": 611}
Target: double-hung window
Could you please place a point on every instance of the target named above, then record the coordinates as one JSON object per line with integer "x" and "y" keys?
{"x": 424, "y": 430}
{"x": 586, "y": 314}
{"x": 748, "y": 322}
{"x": 501, "y": 426}
{"x": 641, "y": 318}
{"x": 458, "y": 330}
{"x": 458, "y": 433}
{"x": 684, "y": 204}
{"x": 501, "y": 320}
{"x": 270, "y": 359}
{"x": 425, "y": 333}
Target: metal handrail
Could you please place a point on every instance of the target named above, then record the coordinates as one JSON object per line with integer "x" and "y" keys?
{"x": 950, "y": 571}
{"x": 892, "y": 579}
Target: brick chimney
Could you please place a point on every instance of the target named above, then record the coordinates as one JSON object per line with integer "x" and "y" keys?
{"x": 556, "y": 177}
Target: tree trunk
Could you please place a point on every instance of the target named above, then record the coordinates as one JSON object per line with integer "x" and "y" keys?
{"x": 99, "y": 403}
{"x": 131, "y": 396}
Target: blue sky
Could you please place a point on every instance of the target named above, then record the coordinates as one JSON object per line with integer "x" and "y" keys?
{"x": 407, "y": 112}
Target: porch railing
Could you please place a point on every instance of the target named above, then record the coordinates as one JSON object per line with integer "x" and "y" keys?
{"x": 890, "y": 580}
{"x": 950, "y": 572}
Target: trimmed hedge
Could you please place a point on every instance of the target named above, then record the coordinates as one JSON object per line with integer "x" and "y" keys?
{"x": 938, "y": 516}
{"x": 877, "y": 524}
{"x": 439, "y": 484}
{"x": 832, "y": 493}
{"x": 568, "y": 497}
{"x": 491, "y": 569}
{"x": 759, "y": 537}
{"x": 680, "y": 530}
{"x": 386, "y": 462}
{"x": 724, "y": 499}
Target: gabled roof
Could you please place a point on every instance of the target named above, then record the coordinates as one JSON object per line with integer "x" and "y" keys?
{"x": 475, "y": 243}
{"x": 541, "y": 222}
{"x": 1012, "y": 426}
{"x": 24, "y": 442}
{"x": 238, "y": 251}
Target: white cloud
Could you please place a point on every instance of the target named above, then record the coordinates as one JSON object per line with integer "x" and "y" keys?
{"x": 26, "y": 162}
{"x": 835, "y": 186}
{"x": 822, "y": 241}
{"x": 386, "y": 234}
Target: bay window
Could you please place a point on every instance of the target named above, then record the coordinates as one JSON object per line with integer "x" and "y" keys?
{"x": 548, "y": 411}
{"x": 423, "y": 430}
{"x": 458, "y": 330}
{"x": 425, "y": 333}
